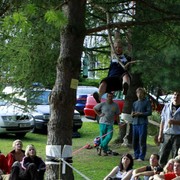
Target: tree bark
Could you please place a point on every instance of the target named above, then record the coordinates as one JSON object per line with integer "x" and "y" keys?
{"x": 63, "y": 96}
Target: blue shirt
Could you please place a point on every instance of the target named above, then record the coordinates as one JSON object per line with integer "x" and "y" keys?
{"x": 144, "y": 107}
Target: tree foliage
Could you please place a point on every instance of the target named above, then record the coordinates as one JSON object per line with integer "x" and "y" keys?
{"x": 30, "y": 38}
{"x": 37, "y": 39}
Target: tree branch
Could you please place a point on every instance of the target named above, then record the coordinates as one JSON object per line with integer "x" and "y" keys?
{"x": 125, "y": 25}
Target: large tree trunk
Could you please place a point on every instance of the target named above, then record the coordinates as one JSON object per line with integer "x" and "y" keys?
{"x": 63, "y": 95}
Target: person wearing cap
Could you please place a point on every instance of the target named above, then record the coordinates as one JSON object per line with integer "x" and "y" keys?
{"x": 107, "y": 111}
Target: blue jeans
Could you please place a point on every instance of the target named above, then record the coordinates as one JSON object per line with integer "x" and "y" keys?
{"x": 139, "y": 140}
{"x": 106, "y": 133}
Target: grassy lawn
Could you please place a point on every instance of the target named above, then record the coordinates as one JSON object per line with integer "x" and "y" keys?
{"x": 84, "y": 160}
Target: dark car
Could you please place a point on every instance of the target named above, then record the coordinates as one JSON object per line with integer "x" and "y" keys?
{"x": 81, "y": 96}
{"x": 41, "y": 111}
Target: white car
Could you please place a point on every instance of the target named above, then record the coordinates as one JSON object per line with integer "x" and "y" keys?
{"x": 13, "y": 120}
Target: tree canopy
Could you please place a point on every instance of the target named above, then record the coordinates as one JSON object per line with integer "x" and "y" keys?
{"x": 41, "y": 37}
{"x": 30, "y": 38}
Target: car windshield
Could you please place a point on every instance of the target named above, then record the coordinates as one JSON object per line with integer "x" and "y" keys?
{"x": 38, "y": 98}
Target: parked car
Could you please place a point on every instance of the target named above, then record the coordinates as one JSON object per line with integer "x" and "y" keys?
{"x": 81, "y": 96}
{"x": 14, "y": 120}
{"x": 90, "y": 103}
{"x": 38, "y": 105}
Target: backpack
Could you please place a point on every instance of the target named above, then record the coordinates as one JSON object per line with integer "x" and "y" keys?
{"x": 96, "y": 141}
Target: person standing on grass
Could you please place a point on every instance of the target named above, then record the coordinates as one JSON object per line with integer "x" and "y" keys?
{"x": 107, "y": 111}
{"x": 140, "y": 111}
{"x": 16, "y": 154}
{"x": 169, "y": 131}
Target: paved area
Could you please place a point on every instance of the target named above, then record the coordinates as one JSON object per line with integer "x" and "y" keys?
{"x": 84, "y": 119}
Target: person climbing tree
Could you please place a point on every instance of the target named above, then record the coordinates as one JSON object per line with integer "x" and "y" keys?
{"x": 118, "y": 76}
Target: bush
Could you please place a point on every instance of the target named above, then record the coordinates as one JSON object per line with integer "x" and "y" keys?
{"x": 153, "y": 129}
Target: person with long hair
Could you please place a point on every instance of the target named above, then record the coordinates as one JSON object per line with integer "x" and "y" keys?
{"x": 32, "y": 166}
{"x": 16, "y": 154}
{"x": 124, "y": 170}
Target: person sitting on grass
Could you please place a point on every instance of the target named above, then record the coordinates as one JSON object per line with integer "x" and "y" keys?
{"x": 16, "y": 154}
{"x": 124, "y": 170}
{"x": 175, "y": 175}
{"x": 3, "y": 167}
{"x": 149, "y": 170}
{"x": 32, "y": 166}
{"x": 169, "y": 167}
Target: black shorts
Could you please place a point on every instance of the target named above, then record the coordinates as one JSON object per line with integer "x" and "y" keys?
{"x": 113, "y": 83}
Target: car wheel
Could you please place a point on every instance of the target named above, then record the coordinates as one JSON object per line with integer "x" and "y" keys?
{"x": 20, "y": 135}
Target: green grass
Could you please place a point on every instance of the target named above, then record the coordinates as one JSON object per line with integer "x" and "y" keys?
{"x": 84, "y": 160}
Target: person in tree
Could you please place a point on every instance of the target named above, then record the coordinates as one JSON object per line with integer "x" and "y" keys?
{"x": 118, "y": 76}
